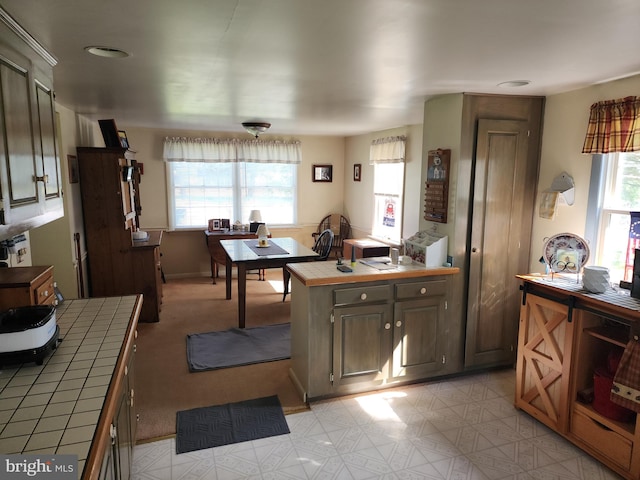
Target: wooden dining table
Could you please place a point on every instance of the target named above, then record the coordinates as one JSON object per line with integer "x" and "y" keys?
{"x": 247, "y": 255}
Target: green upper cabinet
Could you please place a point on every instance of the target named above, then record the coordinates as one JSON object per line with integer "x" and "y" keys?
{"x": 30, "y": 179}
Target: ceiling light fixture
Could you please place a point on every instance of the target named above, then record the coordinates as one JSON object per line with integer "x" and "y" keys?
{"x": 514, "y": 83}
{"x": 256, "y": 128}
{"x": 108, "y": 52}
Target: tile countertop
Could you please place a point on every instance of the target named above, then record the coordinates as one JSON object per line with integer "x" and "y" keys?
{"x": 325, "y": 273}
{"x": 54, "y": 407}
{"x": 616, "y": 299}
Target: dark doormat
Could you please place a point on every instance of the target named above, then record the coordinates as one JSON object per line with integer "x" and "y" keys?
{"x": 208, "y": 427}
{"x": 238, "y": 346}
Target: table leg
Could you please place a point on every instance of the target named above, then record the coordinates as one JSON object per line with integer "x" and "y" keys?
{"x": 286, "y": 277}
{"x": 242, "y": 294}
{"x": 228, "y": 267}
{"x": 214, "y": 270}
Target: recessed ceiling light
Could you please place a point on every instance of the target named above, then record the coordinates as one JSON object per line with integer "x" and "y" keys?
{"x": 514, "y": 83}
{"x": 106, "y": 52}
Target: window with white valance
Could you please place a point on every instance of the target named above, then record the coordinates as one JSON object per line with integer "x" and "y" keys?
{"x": 227, "y": 178}
{"x": 387, "y": 155}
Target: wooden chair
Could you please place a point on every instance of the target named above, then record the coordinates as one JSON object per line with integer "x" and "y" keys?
{"x": 341, "y": 229}
{"x": 322, "y": 247}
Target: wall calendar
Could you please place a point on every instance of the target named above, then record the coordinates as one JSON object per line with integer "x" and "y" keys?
{"x": 436, "y": 196}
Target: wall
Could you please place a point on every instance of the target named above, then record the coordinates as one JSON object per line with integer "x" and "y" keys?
{"x": 565, "y": 125}
{"x": 358, "y": 196}
{"x": 184, "y": 252}
{"x": 442, "y": 127}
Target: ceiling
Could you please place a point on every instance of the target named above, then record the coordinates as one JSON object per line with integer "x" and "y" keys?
{"x": 323, "y": 67}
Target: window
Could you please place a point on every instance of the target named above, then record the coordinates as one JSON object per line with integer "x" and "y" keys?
{"x": 388, "y": 188}
{"x": 387, "y": 157}
{"x": 619, "y": 189}
{"x": 200, "y": 191}
{"x": 211, "y": 178}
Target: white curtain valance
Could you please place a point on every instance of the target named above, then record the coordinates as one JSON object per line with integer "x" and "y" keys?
{"x": 258, "y": 151}
{"x": 184, "y": 149}
{"x": 387, "y": 150}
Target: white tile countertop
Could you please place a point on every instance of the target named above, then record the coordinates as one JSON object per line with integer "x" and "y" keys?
{"x": 54, "y": 408}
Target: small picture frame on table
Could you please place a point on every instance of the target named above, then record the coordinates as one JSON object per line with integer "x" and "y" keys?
{"x": 357, "y": 168}
{"x": 322, "y": 173}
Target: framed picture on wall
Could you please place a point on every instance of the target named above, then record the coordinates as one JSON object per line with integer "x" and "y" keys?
{"x": 322, "y": 173}
{"x": 356, "y": 172}
{"x": 72, "y": 160}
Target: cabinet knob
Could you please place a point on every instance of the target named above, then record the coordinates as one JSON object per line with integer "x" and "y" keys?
{"x": 635, "y": 337}
{"x": 387, "y": 326}
{"x": 45, "y": 293}
{"x": 363, "y": 296}
{"x": 398, "y": 323}
{"x": 423, "y": 290}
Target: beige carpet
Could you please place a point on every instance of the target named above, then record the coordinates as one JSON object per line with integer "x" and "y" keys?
{"x": 164, "y": 384}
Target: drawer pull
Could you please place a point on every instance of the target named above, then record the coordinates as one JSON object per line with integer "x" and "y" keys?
{"x": 363, "y": 296}
{"x": 423, "y": 290}
{"x": 398, "y": 323}
{"x": 387, "y": 326}
{"x": 45, "y": 293}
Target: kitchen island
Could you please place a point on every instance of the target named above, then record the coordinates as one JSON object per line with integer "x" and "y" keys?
{"x": 80, "y": 401}
{"x": 566, "y": 342}
{"x": 376, "y": 327}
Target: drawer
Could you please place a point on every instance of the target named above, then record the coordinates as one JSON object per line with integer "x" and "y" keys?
{"x": 609, "y": 443}
{"x": 380, "y": 293}
{"x": 44, "y": 294}
{"x": 426, "y": 288}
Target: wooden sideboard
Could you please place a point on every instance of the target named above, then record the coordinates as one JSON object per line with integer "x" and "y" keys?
{"x": 216, "y": 251}
{"x": 565, "y": 337}
{"x": 25, "y": 286}
{"x": 364, "y": 247}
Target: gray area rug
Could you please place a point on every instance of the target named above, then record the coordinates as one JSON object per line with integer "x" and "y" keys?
{"x": 238, "y": 346}
{"x": 208, "y": 427}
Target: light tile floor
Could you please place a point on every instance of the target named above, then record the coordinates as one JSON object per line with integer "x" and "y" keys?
{"x": 460, "y": 429}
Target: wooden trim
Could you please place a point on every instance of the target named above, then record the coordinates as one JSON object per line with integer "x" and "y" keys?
{"x": 102, "y": 434}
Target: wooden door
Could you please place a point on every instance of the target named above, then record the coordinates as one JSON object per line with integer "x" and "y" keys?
{"x": 499, "y": 246}
{"x": 545, "y": 343}
{"x": 362, "y": 344}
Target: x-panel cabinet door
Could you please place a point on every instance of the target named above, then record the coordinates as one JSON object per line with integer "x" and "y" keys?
{"x": 544, "y": 358}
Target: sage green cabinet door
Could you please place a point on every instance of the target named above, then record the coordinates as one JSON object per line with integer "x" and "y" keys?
{"x": 419, "y": 343}
{"x": 499, "y": 249}
{"x": 18, "y": 150}
{"x": 48, "y": 156}
{"x": 107, "y": 470}
{"x": 362, "y": 339}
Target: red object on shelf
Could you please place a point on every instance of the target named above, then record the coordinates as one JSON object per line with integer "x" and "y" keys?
{"x": 602, "y": 383}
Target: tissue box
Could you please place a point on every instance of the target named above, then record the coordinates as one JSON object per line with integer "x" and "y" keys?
{"x": 428, "y": 248}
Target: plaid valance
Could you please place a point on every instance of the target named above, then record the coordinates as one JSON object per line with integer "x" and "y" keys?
{"x": 614, "y": 126}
